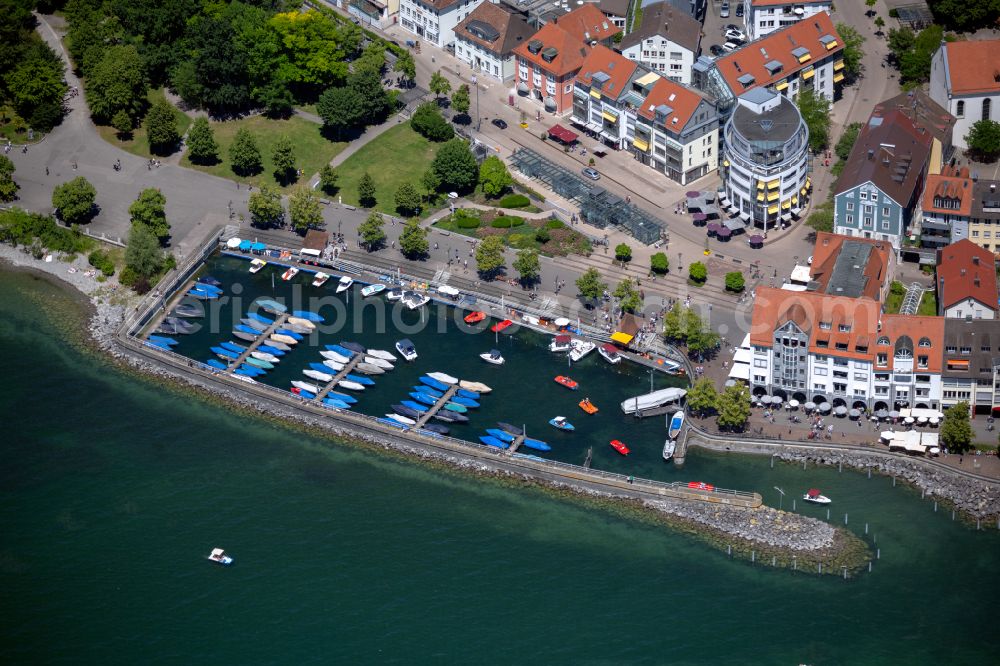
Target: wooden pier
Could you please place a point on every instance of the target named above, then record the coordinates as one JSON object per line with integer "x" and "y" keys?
{"x": 261, "y": 339}
{"x": 515, "y": 445}
{"x": 436, "y": 407}
{"x": 337, "y": 377}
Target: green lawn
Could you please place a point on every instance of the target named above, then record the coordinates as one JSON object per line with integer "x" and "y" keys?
{"x": 397, "y": 156}
{"x": 138, "y": 144}
{"x": 312, "y": 151}
{"x": 894, "y": 300}
{"x": 928, "y": 305}
{"x": 563, "y": 241}
{"x": 13, "y": 127}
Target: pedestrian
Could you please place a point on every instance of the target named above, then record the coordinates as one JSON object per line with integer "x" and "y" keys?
{"x": 46, "y": 171}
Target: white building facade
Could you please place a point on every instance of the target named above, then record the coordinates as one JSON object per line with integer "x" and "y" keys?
{"x": 434, "y": 20}
{"x": 965, "y": 80}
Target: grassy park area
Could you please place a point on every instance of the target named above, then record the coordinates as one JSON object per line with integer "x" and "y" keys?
{"x": 549, "y": 237}
{"x": 138, "y": 144}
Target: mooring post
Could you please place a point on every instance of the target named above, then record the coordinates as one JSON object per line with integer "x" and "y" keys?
{"x": 845, "y": 571}
{"x": 977, "y": 524}
{"x": 869, "y": 566}
{"x": 840, "y": 467}
{"x": 793, "y": 505}
{"x": 753, "y": 556}
{"x": 866, "y": 528}
{"x": 893, "y": 482}
{"x": 772, "y": 461}
{"x": 827, "y": 515}
{"x": 821, "y": 567}
{"x": 774, "y": 560}
{"x": 845, "y": 518}
{"x": 729, "y": 550}
{"x": 878, "y": 553}
{"x": 803, "y": 464}
{"x": 795, "y": 563}
{"x": 869, "y": 472}
{"x": 935, "y": 506}
{"x": 953, "y": 514}
{"x": 922, "y": 493}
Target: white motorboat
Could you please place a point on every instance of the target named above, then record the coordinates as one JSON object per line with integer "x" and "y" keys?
{"x": 318, "y": 376}
{"x": 350, "y": 386}
{"x": 477, "y": 387}
{"x": 560, "y": 343}
{"x": 406, "y": 348}
{"x": 264, "y": 356}
{"x": 675, "y": 424}
{"x": 306, "y": 386}
{"x": 394, "y": 294}
{"x": 610, "y": 354}
{"x": 369, "y": 369}
{"x": 384, "y": 355}
{"x": 641, "y": 403}
{"x": 278, "y": 344}
{"x": 492, "y": 356}
{"x": 399, "y": 418}
{"x": 669, "y": 447}
{"x": 372, "y": 290}
{"x": 379, "y": 362}
{"x": 414, "y": 300}
{"x": 320, "y": 279}
{"x": 301, "y": 323}
{"x": 333, "y": 365}
{"x": 219, "y": 557}
{"x": 344, "y": 284}
{"x": 816, "y": 497}
{"x": 580, "y": 348}
{"x": 450, "y": 292}
{"x": 334, "y": 356}
{"x": 257, "y": 265}
{"x": 443, "y": 378}
{"x": 289, "y": 274}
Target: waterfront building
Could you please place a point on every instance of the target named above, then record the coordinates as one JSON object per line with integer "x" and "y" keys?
{"x": 945, "y": 208}
{"x": 762, "y": 17}
{"x": 485, "y": 40}
{"x": 765, "y": 162}
{"x": 966, "y": 282}
{"x": 547, "y": 66}
{"x": 435, "y": 20}
{"x": 878, "y": 191}
{"x": 607, "y": 90}
{"x": 805, "y": 56}
{"x": 667, "y": 41}
{"x": 971, "y": 364}
{"x": 965, "y": 80}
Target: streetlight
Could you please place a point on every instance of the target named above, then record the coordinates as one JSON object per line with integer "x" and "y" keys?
{"x": 475, "y": 82}
{"x": 781, "y": 498}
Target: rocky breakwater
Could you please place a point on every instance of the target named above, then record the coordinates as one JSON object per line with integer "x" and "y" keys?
{"x": 974, "y": 497}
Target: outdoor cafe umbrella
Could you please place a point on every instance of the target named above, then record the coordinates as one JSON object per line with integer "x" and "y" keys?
{"x": 921, "y": 420}
{"x": 854, "y": 413}
{"x": 698, "y": 218}
{"x": 764, "y": 400}
{"x": 934, "y": 420}
{"x": 809, "y": 406}
{"x": 233, "y": 243}
{"x": 908, "y": 420}
{"x": 776, "y": 400}
{"x": 793, "y": 404}
{"x": 824, "y": 407}
{"x": 724, "y": 233}
{"x": 756, "y": 239}
{"x": 693, "y": 193}
{"x": 840, "y": 410}
{"x": 882, "y": 414}
{"x": 894, "y": 414}
{"x": 713, "y": 227}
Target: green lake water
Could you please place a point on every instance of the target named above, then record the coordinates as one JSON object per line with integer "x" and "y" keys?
{"x": 115, "y": 488}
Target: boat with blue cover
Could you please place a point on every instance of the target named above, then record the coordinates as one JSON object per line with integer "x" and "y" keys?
{"x": 246, "y": 329}
{"x": 261, "y": 318}
{"x": 319, "y": 367}
{"x": 272, "y": 306}
{"x": 203, "y": 295}
{"x": 160, "y": 340}
{"x": 251, "y": 370}
{"x": 354, "y": 347}
{"x": 453, "y": 407}
{"x": 465, "y": 402}
{"x": 358, "y": 379}
{"x": 406, "y": 411}
{"x": 210, "y": 288}
{"x": 224, "y": 353}
{"x": 308, "y": 316}
{"x": 158, "y": 345}
{"x": 208, "y": 279}
{"x": 333, "y": 402}
{"x": 428, "y": 390}
{"x": 232, "y": 346}
{"x": 536, "y": 444}
{"x": 492, "y": 441}
{"x": 259, "y": 363}
{"x": 273, "y": 351}
{"x": 309, "y": 395}
{"x": 433, "y": 383}
{"x": 423, "y": 397}
{"x": 463, "y": 393}
{"x": 343, "y": 351}
{"x": 215, "y": 363}
{"x": 244, "y": 373}
{"x": 343, "y": 397}
{"x": 415, "y": 406}
{"x": 292, "y": 334}
{"x": 500, "y": 434}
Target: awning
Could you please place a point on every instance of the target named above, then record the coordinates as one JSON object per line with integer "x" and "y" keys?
{"x": 781, "y": 86}
{"x": 809, "y": 181}
{"x": 760, "y": 196}
{"x": 610, "y": 117}
{"x": 838, "y": 77}
{"x": 562, "y": 134}
{"x": 808, "y": 74}
{"x": 745, "y": 217}
{"x": 771, "y": 184}
{"x": 831, "y": 45}
{"x": 550, "y": 103}
{"x": 622, "y": 338}
{"x": 596, "y": 94}
{"x": 795, "y": 199}
{"x": 786, "y": 205}
{"x": 245, "y": 245}
{"x": 258, "y": 247}
{"x": 640, "y": 144}
{"x": 805, "y": 57}
{"x": 725, "y": 163}
{"x": 742, "y": 356}
{"x": 787, "y": 217}
{"x": 772, "y": 209}
{"x": 839, "y": 65}
{"x": 740, "y": 371}
{"x": 593, "y": 127}
{"x": 233, "y": 243}
{"x": 760, "y": 184}
{"x": 522, "y": 88}
{"x": 772, "y": 196}
{"x": 802, "y": 191}
{"x": 957, "y": 364}
{"x": 796, "y": 210}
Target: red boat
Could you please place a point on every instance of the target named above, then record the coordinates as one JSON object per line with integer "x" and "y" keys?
{"x": 701, "y": 485}
{"x": 620, "y": 447}
{"x": 567, "y": 382}
{"x": 296, "y": 390}
{"x": 499, "y": 326}
{"x": 475, "y": 317}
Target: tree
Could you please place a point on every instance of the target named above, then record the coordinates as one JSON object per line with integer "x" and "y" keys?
{"x": 983, "y": 140}
{"x": 328, "y": 179}
{"x": 460, "y": 100}
{"x": 629, "y": 299}
{"x": 456, "y": 166}
{"x": 373, "y": 97}
{"x": 494, "y": 176}
{"x": 202, "y": 148}
{"x": 912, "y": 53}
{"x": 527, "y": 265}
{"x": 852, "y": 53}
{"x": 117, "y": 83}
{"x": 143, "y": 256}
{"x": 161, "y": 129}
{"x": 122, "y": 122}
{"x": 623, "y": 253}
{"x": 74, "y": 200}
{"x": 489, "y": 256}
{"x": 214, "y": 73}
{"x": 428, "y": 122}
{"x": 735, "y": 281}
{"x": 413, "y": 241}
{"x": 431, "y": 182}
{"x": 702, "y": 397}
{"x": 439, "y": 85}
{"x": 265, "y": 207}
{"x": 673, "y": 324}
{"x": 659, "y": 263}
{"x": 35, "y": 83}
{"x": 407, "y": 200}
{"x": 244, "y": 156}
{"x": 956, "y": 432}
{"x": 870, "y": 4}
{"x": 304, "y": 208}
{"x": 702, "y": 341}
{"x": 965, "y": 16}
{"x": 815, "y": 110}
{"x": 8, "y": 188}
{"x": 847, "y": 141}
{"x": 340, "y": 109}
{"x": 366, "y": 191}
{"x": 590, "y": 285}
{"x": 697, "y": 272}
{"x": 149, "y": 210}
{"x": 283, "y": 158}
{"x": 734, "y": 407}
{"x": 372, "y": 231}
{"x": 406, "y": 67}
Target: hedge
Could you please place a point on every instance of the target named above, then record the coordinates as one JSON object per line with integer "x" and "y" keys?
{"x": 514, "y": 201}
{"x": 555, "y": 224}
{"x": 507, "y": 222}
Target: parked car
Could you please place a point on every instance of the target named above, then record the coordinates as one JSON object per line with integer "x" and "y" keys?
{"x": 739, "y": 9}
{"x": 732, "y": 26}
{"x": 724, "y": 11}
{"x": 591, "y": 173}
{"x": 730, "y": 46}
{"x": 716, "y": 50}
{"x": 502, "y": 124}
{"x": 735, "y": 36}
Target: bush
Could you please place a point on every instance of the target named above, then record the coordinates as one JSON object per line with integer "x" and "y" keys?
{"x": 514, "y": 201}
{"x": 428, "y": 122}
{"x": 897, "y": 288}
{"x": 507, "y": 222}
{"x": 734, "y": 281}
{"x": 542, "y": 235}
{"x": 520, "y": 241}
{"x": 555, "y": 224}
{"x": 659, "y": 264}
{"x": 466, "y": 222}
{"x": 698, "y": 272}
{"x": 102, "y": 262}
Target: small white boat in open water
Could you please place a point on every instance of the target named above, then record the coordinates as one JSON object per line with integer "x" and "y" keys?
{"x": 816, "y": 497}
{"x": 344, "y": 284}
{"x": 219, "y": 557}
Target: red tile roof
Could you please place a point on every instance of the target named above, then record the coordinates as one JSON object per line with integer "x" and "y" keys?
{"x": 827, "y": 251}
{"x": 587, "y": 23}
{"x": 974, "y": 66}
{"x": 682, "y": 100}
{"x": 773, "y": 3}
{"x": 948, "y": 185}
{"x": 779, "y": 45}
{"x": 570, "y": 50}
{"x": 918, "y": 329}
{"x": 615, "y": 65}
{"x": 966, "y": 270}
{"x": 511, "y": 28}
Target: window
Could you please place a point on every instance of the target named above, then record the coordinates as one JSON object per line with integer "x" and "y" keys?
{"x": 840, "y": 363}
{"x": 885, "y": 211}
{"x": 840, "y": 374}
{"x": 839, "y": 388}
{"x": 819, "y": 387}
{"x": 925, "y": 342}
{"x": 986, "y": 108}
{"x": 922, "y": 361}
{"x": 844, "y": 328}
{"x": 864, "y": 195}
{"x": 850, "y": 219}
{"x": 825, "y": 325}
{"x": 960, "y": 109}
{"x": 759, "y": 363}
{"x": 883, "y": 341}
{"x": 881, "y": 376}
{"x": 820, "y": 372}
{"x": 985, "y": 348}
{"x": 850, "y": 205}
{"x": 881, "y": 358}
{"x": 860, "y": 377}
{"x": 951, "y": 349}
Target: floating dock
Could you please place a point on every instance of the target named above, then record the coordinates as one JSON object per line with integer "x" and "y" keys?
{"x": 436, "y": 407}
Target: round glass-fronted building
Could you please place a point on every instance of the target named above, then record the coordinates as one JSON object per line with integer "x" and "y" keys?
{"x": 766, "y": 159}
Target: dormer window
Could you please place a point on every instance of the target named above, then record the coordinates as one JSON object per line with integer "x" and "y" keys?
{"x": 883, "y": 341}
{"x": 825, "y": 325}
{"x": 924, "y": 342}
{"x": 844, "y": 328}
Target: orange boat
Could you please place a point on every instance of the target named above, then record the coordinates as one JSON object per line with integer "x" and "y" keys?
{"x": 587, "y": 406}
{"x": 475, "y": 317}
{"x": 567, "y": 382}
{"x": 620, "y": 447}
{"x": 501, "y": 325}
{"x": 700, "y": 485}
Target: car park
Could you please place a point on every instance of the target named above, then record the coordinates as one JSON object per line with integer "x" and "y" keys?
{"x": 591, "y": 173}
{"x": 502, "y": 124}
{"x": 724, "y": 11}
